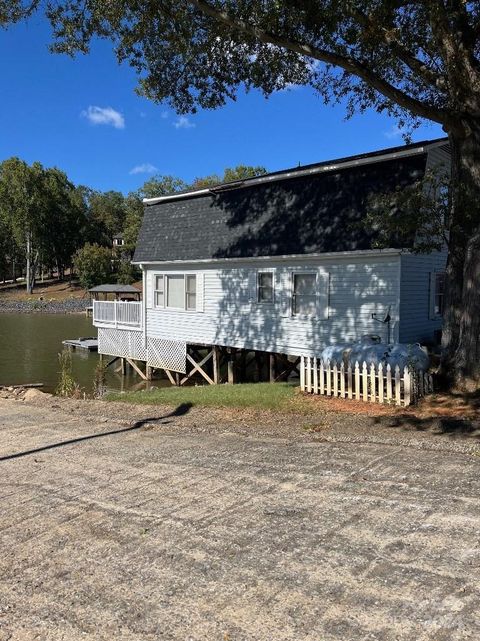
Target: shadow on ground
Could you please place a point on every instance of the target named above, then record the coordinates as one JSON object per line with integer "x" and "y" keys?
{"x": 181, "y": 410}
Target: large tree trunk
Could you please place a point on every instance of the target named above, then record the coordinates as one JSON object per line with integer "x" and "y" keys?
{"x": 461, "y": 334}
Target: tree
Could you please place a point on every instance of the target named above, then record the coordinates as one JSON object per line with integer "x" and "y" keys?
{"x": 64, "y": 224}
{"x": 409, "y": 58}
{"x": 242, "y": 172}
{"x": 23, "y": 206}
{"x": 231, "y": 174}
{"x": 161, "y": 186}
{"x": 106, "y": 214}
{"x": 93, "y": 265}
{"x": 133, "y": 222}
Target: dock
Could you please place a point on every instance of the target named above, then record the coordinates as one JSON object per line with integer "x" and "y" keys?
{"x": 87, "y": 344}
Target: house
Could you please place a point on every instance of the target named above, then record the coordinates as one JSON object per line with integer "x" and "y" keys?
{"x": 118, "y": 241}
{"x": 280, "y": 264}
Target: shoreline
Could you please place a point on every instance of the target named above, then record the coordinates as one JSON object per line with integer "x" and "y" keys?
{"x": 67, "y": 306}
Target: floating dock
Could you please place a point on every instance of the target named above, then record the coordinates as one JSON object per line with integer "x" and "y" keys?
{"x": 87, "y": 344}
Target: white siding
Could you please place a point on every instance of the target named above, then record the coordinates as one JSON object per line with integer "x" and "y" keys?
{"x": 357, "y": 287}
{"x": 416, "y": 325}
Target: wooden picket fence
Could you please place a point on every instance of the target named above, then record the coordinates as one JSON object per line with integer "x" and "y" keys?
{"x": 363, "y": 382}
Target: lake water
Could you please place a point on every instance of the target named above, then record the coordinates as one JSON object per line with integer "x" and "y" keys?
{"x": 29, "y": 347}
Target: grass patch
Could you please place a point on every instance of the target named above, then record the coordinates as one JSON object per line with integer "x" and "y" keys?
{"x": 262, "y": 396}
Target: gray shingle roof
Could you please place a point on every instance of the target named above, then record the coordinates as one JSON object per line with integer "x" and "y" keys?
{"x": 310, "y": 214}
{"x": 115, "y": 289}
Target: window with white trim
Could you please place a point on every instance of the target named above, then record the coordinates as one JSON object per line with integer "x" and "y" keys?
{"x": 439, "y": 293}
{"x": 159, "y": 292}
{"x": 265, "y": 287}
{"x": 304, "y": 294}
{"x": 190, "y": 292}
{"x": 176, "y": 291}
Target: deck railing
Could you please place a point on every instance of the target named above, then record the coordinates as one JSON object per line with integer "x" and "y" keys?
{"x": 117, "y": 314}
{"x": 366, "y": 382}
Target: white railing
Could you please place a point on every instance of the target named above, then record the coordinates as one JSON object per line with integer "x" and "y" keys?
{"x": 370, "y": 383}
{"x": 117, "y": 314}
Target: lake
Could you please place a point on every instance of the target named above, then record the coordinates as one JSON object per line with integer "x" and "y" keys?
{"x": 29, "y": 347}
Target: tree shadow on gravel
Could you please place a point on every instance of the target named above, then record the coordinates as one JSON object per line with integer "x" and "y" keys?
{"x": 454, "y": 427}
{"x": 181, "y": 410}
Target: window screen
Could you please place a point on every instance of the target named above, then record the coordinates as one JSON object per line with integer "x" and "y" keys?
{"x": 175, "y": 291}
{"x": 191, "y": 292}
{"x": 304, "y": 294}
{"x": 265, "y": 287}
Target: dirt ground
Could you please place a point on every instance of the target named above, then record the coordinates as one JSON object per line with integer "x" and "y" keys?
{"x": 142, "y": 523}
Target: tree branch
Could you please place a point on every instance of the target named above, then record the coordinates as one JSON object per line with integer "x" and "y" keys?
{"x": 349, "y": 64}
{"x": 389, "y": 38}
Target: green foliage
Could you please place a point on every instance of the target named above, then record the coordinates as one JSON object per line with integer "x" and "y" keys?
{"x": 231, "y": 174}
{"x": 107, "y": 214}
{"x": 93, "y": 265}
{"x": 127, "y": 273}
{"x": 418, "y": 212}
{"x": 161, "y": 186}
{"x": 242, "y": 172}
{"x": 66, "y": 384}
{"x": 100, "y": 380}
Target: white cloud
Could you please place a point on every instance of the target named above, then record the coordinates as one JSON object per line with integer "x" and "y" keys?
{"x": 104, "y": 116}
{"x": 146, "y": 168}
{"x": 394, "y": 132}
{"x": 182, "y": 122}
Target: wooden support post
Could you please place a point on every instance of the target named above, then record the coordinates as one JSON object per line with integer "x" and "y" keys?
{"x": 272, "y": 368}
{"x": 137, "y": 369}
{"x": 243, "y": 366}
{"x": 148, "y": 372}
{"x": 216, "y": 365}
{"x": 124, "y": 366}
{"x": 170, "y": 377}
{"x": 198, "y": 367}
{"x": 231, "y": 368}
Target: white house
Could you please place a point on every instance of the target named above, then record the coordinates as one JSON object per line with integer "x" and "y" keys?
{"x": 278, "y": 264}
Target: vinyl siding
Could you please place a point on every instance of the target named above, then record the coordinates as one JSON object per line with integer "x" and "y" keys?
{"x": 416, "y": 325}
{"x": 350, "y": 290}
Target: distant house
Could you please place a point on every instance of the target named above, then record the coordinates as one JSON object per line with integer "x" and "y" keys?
{"x": 118, "y": 241}
{"x": 282, "y": 264}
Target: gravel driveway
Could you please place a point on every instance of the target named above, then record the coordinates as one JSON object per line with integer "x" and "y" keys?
{"x": 151, "y": 533}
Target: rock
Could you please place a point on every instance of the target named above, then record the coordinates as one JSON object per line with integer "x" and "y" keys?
{"x": 34, "y": 394}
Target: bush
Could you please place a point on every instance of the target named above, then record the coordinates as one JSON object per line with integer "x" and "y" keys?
{"x": 93, "y": 265}
{"x": 127, "y": 273}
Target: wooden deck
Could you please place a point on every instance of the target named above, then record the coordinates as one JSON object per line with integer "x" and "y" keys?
{"x": 87, "y": 344}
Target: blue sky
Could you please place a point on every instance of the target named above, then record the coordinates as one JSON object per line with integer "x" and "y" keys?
{"x": 83, "y": 116}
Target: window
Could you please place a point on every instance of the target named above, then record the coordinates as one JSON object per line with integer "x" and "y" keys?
{"x": 159, "y": 294}
{"x": 191, "y": 292}
{"x": 439, "y": 295}
{"x": 265, "y": 287}
{"x": 176, "y": 291}
{"x": 304, "y": 294}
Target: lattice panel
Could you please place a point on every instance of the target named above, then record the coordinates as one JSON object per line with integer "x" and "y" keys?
{"x": 167, "y": 354}
{"x": 122, "y": 342}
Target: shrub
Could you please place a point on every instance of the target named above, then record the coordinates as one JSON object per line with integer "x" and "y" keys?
{"x": 93, "y": 265}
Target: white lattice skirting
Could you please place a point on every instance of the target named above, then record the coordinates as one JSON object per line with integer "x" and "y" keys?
{"x": 163, "y": 353}
{"x": 167, "y": 354}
